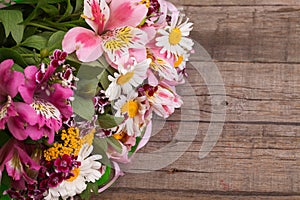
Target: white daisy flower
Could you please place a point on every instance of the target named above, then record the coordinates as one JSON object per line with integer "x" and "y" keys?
{"x": 89, "y": 171}
{"x": 127, "y": 79}
{"x": 174, "y": 37}
{"x": 134, "y": 109}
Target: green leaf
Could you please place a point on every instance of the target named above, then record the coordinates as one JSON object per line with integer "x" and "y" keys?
{"x": 18, "y": 68}
{"x": 100, "y": 143}
{"x": 11, "y": 20}
{"x": 55, "y": 41}
{"x": 29, "y": 60}
{"x": 5, "y": 184}
{"x": 107, "y": 121}
{"x": 35, "y": 41}
{"x": 105, "y": 177}
{"x": 6, "y": 53}
{"x": 103, "y": 78}
{"x": 68, "y": 11}
{"x": 4, "y": 138}
{"x": 114, "y": 143}
{"x": 91, "y": 188}
{"x": 50, "y": 9}
{"x": 100, "y": 147}
{"x": 83, "y": 107}
{"x": 79, "y": 5}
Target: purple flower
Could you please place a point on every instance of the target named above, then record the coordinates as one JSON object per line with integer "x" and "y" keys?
{"x": 63, "y": 164}
{"x": 15, "y": 158}
{"x": 55, "y": 179}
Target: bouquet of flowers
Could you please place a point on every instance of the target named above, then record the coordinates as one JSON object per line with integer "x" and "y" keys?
{"x": 79, "y": 81}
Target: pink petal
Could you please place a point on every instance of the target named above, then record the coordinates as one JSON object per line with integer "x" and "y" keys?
{"x": 85, "y": 42}
{"x": 9, "y": 80}
{"x": 126, "y": 13}
{"x": 27, "y": 90}
{"x": 97, "y": 13}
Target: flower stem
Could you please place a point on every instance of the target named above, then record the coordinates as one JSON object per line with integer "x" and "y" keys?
{"x": 42, "y": 26}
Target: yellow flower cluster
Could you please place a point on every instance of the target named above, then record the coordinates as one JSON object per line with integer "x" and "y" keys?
{"x": 71, "y": 145}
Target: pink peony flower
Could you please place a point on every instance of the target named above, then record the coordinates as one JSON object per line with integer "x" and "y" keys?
{"x": 113, "y": 32}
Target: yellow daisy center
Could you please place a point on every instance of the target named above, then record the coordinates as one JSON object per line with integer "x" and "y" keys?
{"x": 76, "y": 173}
{"x": 131, "y": 107}
{"x": 178, "y": 61}
{"x": 175, "y": 36}
{"x": 125, "y": 78}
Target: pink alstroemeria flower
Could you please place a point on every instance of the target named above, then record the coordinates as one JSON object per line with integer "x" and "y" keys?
{"x": 10, "y": 82}
{"x": 14, "y": 157}
{"x": 49, "y": 101}
{"x": 162, "y": 99}
{"x": 114, "y": 30}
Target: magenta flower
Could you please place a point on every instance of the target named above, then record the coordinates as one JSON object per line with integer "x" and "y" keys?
{"x": 15, "y": 158}
{"x": 113, "y": 32}
{"x": 48, "y": 101}
{"x": 64, "y": 164}
{"x": 10, "y": 82}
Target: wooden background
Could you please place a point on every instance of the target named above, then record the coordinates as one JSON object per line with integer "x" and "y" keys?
{"x": 256, "y": 47}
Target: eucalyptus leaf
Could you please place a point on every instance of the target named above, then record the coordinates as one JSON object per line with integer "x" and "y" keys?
{"x": 103, "y": 77}
{"x": 35, "y": 41}
{"x": 114, "y": 143}
{"x": 83, "y": 107}
{"x": 11, "y": 20}
{"x": 107, "y": 121}
{"x": 100, "y": 151}
{"x": 99, "y": 143}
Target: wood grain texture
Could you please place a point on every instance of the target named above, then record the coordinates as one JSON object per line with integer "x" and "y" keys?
{"x": 256, "y": 47}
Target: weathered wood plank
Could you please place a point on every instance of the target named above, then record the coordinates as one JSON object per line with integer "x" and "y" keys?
{"x": 236, "y": 2}
{"x": 248, "y": 34}
{"x": 256, "y": 47}
{"x": 254, "y": 93}
{"x": 177, "y": 195}
{"x": 247, "y": 158}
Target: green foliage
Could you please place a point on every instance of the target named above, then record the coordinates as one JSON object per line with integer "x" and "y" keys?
{"x": 11, "y": 20}
{"x": 55, "y": 40}
{"x": 115, "y": 144}
{"x": 6, "y": 53}
{"x": 107, "y": 121}
{"x": 5, "y": 184}
{"x": 91, "y": 188}
{"x": 35, "y": 41}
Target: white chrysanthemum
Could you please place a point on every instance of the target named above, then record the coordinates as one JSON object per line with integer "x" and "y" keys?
{"x": 174, "y": 37}
{"x": 127, "y": 79}
{"x": 133, "y": 108}
{"x": 87, "y": 172}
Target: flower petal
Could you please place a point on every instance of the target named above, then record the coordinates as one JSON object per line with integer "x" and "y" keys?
{"x": 85, "y": 42}
{"x": 126, "y": 13}
{"x": 96, "y": 14}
